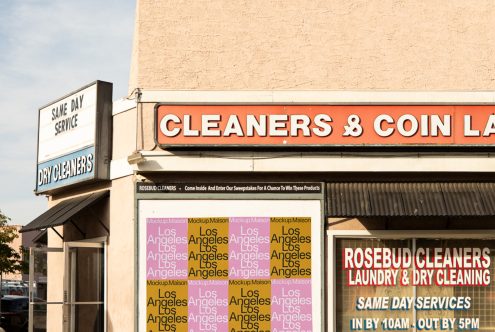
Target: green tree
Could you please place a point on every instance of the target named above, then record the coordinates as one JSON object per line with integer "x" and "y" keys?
{"x": 10, "y": 259}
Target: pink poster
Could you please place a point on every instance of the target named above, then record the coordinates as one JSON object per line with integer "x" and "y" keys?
{"x": 249, "y": 248}
{"x": 166, "y": 249}
{"x": 208, "y": 305}
{"x": 291, "y": 305}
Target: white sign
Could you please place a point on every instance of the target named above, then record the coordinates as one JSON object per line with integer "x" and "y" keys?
{"x": 67, "y": 125}
{"x": 74, "y": 138}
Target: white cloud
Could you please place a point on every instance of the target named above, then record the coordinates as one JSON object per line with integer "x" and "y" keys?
{"x": 48, "y": 49}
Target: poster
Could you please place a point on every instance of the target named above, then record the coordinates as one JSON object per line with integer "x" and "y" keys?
{"x": 230, "y": 265}
{"x": 415, "y": 285}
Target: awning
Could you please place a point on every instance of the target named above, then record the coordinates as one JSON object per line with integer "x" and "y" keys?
{"x": 41, "y": 238}
{"x": 407, "y": 199}
{"x": 64, "y": 211}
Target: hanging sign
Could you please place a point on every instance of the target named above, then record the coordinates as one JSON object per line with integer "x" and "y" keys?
{"x": 74, "y": 138}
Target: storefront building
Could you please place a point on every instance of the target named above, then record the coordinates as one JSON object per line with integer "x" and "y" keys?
{"x": 278, "y": 167}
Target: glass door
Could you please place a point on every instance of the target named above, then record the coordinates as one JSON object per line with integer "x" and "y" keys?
{"x": 84, "y": 287}
{"x": 45, "y": 291}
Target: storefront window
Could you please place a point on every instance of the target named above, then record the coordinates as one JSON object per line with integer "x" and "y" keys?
{"x": 414, "y": 285}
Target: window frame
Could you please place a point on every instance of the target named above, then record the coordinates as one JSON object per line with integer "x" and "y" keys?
{"x": 333, "y": 235}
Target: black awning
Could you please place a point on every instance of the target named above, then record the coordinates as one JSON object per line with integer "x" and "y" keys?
{"x": 403, "y": 199}
{"x": 41, "y": 238}
{"x": 64, "y": 211}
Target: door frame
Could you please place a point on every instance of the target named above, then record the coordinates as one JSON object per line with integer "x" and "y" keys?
{"x": 69, "y": 304}
{"x": 32, "y": 251}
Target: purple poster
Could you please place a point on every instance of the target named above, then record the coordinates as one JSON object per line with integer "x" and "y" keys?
{"x": 249, "y": 248}
{"x": 208, "y": 305}
{"x": 166, "y": 249}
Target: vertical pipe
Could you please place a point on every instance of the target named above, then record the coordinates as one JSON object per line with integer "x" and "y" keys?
{"x": 30, "y": 292}
{"x": 414, "y": 286}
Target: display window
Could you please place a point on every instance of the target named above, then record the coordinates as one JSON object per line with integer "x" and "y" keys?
{"x": 413, "y": 284}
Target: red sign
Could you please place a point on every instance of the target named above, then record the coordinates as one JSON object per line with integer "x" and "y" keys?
{"x": 282, "y": 125}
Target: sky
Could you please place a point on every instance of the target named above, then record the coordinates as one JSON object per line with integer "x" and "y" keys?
{"x": 48, "y": 49}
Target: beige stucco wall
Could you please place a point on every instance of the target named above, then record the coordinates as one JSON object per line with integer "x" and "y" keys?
{"x": 55, "y": 282}
{"x": 124, "y": 134}
{"x": 342, "y": 45}
{"x": 121, "y": 243}
{"x": 120, "y": 257}
{"x": 146, "y": 133}
{"x": 16, "y": 245}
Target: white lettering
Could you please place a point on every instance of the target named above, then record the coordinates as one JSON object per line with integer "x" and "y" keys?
{"x": 278, "y": 125}
{"x": 377, "y": 125}
{"x": 164, "y": 125}
{"x": 209, "y": 122}
{"x": 468, "y": 132}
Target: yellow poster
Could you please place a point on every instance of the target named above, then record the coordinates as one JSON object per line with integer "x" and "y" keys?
{"x": 208, "y": 247}
{"x": 249, "y": 305}
{"x": 166, "y": 305}
{"x": 290, "y": 247}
